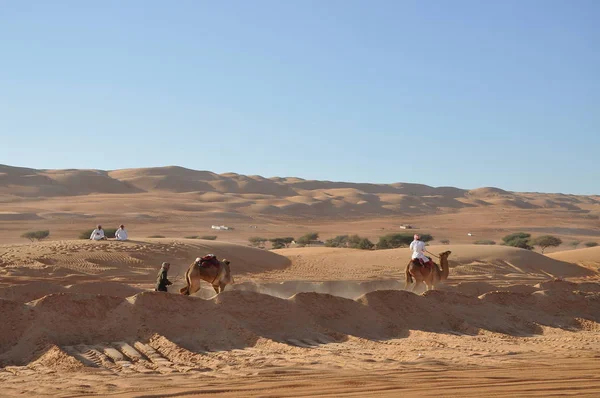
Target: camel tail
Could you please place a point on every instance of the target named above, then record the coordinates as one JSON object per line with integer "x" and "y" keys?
{"x": 186, "y": 289}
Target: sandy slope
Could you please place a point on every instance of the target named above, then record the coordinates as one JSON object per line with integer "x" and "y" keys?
{"x": 588, "y": 257}
{"x": 80, "y": 318}
{"x": 245, "y": 333}
{"x": 467, "y": 262}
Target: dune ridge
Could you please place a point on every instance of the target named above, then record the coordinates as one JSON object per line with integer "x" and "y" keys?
{"x": 277, "y": 196}
{"x": 239, "y": 319}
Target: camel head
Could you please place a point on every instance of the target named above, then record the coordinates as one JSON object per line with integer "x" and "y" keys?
{"x": 445, "y": 254}
{"x": 228, "y": 278}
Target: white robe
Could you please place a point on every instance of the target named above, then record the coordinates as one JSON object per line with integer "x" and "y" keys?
{"x": 418, "y": 248}
{"x": 97, "y": 234}
{"x": 121, "y": 234}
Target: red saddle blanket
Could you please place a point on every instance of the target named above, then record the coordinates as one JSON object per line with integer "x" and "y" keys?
{"x": 210, "y": 260}
{"x": 420, "y": 262}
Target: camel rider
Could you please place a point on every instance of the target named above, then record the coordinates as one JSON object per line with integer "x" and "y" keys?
{"x": 418, "y": 250}
{"x": 161, "y": 279}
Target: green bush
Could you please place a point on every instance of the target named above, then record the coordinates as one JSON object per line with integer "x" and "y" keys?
{"x": 277, "y": 245}
{"x": 37, "y": 235}
{"x": 209, "y": 237}
{"x": 575, "y": 243}
{"x": 518, "y": 239}
{"x": 484, "y": 242}
{"x": 520, "y": 243}
{"x": 351, "y": 241}
{"x": 108, "y": 232}
{"x": 280, "y": 243}
{"x": 154, "y": 236}
{"x": 392, "y": 241}
{"x": 445, "y": 242}
{"x": 591, "y": 244}
{"x": 257, "y": 241}
{"x": 546, "y": 241}
{"x": 306, "y": 239}
{"x": 516, "y": 235}
{"x": 338, "y": 241}
{"x": 364, "y": 244}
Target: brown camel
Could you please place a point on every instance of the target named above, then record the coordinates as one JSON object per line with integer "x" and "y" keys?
{"x": 431, "y": 276}
{"x": 218, "y": 277}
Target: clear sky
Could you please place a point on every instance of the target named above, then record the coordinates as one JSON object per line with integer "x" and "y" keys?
{"x": 445, "y": 93}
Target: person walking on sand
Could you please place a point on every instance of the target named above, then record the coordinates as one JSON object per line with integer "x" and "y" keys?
{"x": 121, "y": 234}
{"x": 98, "y": 233}
{"x": 161, "y": 279}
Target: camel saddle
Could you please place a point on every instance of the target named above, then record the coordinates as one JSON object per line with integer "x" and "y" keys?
{"x": 210, "y": 260}
{"x": 420, "y": 262}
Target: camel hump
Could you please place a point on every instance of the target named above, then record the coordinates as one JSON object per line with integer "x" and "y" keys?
{"x": 208, "y": 260}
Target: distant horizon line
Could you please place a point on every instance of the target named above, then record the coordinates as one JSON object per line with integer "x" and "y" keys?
{"x": 300, "y": 178}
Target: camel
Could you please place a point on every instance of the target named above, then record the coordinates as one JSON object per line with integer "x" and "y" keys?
{"x": 218, "y": 277}
{"x": 431, "y": 277}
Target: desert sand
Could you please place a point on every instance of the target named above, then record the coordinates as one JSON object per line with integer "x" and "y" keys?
{"x": 81, "y": 318}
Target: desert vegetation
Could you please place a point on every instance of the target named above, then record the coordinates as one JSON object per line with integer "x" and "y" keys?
{"x": 392, "y": 241}
{"x": 350, "y": 241}
{"x": 37, "y": 235}
{"x": 484, "y": 242}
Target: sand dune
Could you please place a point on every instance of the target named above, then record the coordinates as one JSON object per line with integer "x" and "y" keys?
{"x": 276, "y": 196}
{"x": 466, "y": 261}
{"x": 82, "y": 311}
{"x": 133, "y": 262}
{"x": 81, "y": 317}
{"x": 588, "y": 257}
{"x": 71, "y": 332}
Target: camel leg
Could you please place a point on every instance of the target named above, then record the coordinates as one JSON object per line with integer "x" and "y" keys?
{"x": 417, "y": 283}
{"x": 194, "y": 286}
{"x": 430, "y": 285}
{"x": 217, "y": 289}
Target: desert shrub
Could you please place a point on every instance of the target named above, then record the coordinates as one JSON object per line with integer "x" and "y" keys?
{"x": 256, "y": 241}
{"x": 520, "y": 243}
{"x": 363, "y": 244}
{"x": 591, "y": 244}
{"x": 391, "y": 241}
{"x": 338, "y": 241}
{"x": 280, "y": 243}
{"x": 484, "y": 242}
{"x": 209, "y": 237}
{"x": 518, "y": 239}
{"x": 38, "y": 235}
{"x": 108, "y": 232}
{"x": 307, "y": 238}
{"x": 546, "y": 241}
{"x": 516, "y": 235}
{"x": 191, "y": 237}
{"x": 445, "y": 242}
{"x": 154, "y": 236}
{"x": 277, "y": 245}
{"x": 575, "y": 243}
{"x": 351, "y": 241}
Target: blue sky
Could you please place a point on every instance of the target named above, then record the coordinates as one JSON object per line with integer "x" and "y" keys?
{"x": 445, "y": 93}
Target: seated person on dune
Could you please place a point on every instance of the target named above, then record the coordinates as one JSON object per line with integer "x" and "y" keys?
{"x": 98, "y": 234}
{"x": 121, "y": 233}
